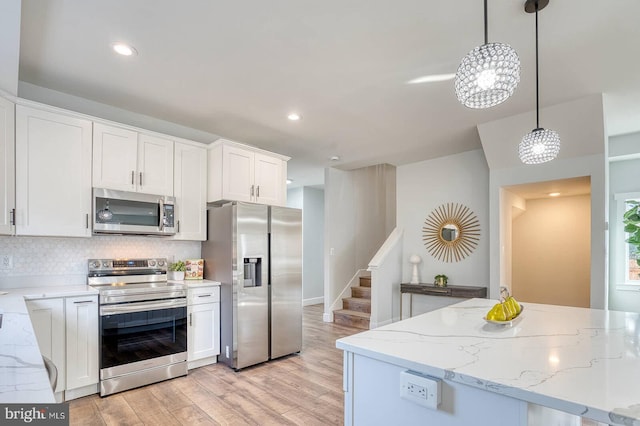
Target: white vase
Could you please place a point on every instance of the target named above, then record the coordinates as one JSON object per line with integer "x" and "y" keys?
{"x": 176, "y": 275}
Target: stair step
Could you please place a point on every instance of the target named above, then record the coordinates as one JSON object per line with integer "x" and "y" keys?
{"x": 361, "y": 292}
{"x": 365, "y": 281}
{"x": 352, "y": 318}
{"x": 357, "y": 304}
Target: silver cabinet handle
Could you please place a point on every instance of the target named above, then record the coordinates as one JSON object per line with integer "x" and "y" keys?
{"x": 252, "y": 186}
{"x": 84, "y": 301}
{"x": 87, "y": 220}
{"x": 133, "y": 173}
{"x": 140, "y": 178}
{"x": 190, "y": 319}
{"x": 205, "y": 295}
{"x": 258, "y": 191}
{"x": 178, "y": 226}
{"x": 12, "y": 217}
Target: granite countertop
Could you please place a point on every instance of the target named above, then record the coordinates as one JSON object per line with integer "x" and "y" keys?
{"x": 23, "y": 377}
{"x": 578, "y": 360}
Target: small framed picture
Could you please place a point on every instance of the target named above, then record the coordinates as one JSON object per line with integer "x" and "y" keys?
{"x": 194, "y": 269}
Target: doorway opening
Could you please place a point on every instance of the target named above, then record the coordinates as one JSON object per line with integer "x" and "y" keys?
{"x": 550, "y": 241}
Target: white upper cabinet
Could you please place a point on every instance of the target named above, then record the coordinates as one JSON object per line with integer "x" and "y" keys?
{"x": 155, "y": 165}
{"x": 126, "y": 160}
{"x": 115, "y": 154}
{"x": 53, "y": 173}
{"x": 241, "y": 173}
{"x": 190, "y": 190}
{"x": 7, "y": 167}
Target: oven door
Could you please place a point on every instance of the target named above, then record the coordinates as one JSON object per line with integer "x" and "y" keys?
{"x": 139, "y": 335}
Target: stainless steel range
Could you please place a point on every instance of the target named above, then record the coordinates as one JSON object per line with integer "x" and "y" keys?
{"x": 143, "y": 323}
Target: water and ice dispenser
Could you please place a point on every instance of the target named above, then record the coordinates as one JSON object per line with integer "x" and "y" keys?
{"x": 252, "y": 271}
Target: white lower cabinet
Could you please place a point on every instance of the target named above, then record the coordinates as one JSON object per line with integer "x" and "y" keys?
{"x": 67, "y": 334}
{"x": 47, "y": 317}
{"x": 203, "y": 333}
{"x": 82, "y": 341}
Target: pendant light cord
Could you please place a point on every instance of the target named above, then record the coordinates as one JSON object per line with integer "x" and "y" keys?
{"x": 537, "y": 81}
{"x": 486, "y": 24}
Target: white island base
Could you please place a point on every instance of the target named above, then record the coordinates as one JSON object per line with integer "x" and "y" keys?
{"x": 553, "y": 366}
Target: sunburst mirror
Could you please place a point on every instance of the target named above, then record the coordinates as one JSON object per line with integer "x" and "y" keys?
{"x": 451, "y": 232}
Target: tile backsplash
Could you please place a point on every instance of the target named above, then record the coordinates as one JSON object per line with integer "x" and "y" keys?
{"x": 46, "y": 256}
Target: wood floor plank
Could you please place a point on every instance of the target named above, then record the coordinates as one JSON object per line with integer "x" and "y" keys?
{"x": 300, "y": 389}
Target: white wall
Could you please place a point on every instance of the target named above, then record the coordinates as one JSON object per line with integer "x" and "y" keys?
{"x": 624, "y": 177}
{"x": 551, "y": 251}
{"x": 422, "y": 187}
{"x": 313, "y": 231}
{"x": 583, "y": 153}
{"x": 360, "y": 212}
{"x": 108, "y": 112}
{"x": 60, "y": 261}
{"x": 10, "y": 45}
{"x": 311, "y": 201}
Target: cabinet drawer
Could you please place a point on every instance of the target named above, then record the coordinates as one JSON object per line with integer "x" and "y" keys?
{"x": 201, "y": 295}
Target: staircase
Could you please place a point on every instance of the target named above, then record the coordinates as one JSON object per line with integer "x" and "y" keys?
{"x": 356, "y": 310}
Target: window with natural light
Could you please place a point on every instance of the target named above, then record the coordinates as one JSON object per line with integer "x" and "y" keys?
{"x": 631, "y": 220}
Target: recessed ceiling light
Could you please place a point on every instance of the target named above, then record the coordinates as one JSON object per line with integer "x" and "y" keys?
{"x": 294, "y": 116}
{"x": 433, "y": 78}
{"x": 289, "y": 181}
{"x": 334, "y": 158}
{"x": 124, "y": 49}
{"x": 554, "y": 194}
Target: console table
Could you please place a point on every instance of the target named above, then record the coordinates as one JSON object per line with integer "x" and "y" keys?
{"x": 461, "y": 291}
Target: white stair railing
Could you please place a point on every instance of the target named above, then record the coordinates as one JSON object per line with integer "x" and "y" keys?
{"x": 386, "y": 276}
{"x": 346, "y": 292}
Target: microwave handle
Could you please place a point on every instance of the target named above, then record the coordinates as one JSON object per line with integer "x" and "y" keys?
{"x": 161, "y": 214}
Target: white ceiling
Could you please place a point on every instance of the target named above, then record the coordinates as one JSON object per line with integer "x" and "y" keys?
{"x": 566, "y": 188}
{"x": 237, "y": 68}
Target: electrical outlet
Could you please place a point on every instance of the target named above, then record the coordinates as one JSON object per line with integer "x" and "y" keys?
{"x": 420, "y": 389}
{"x": 6, "y": 261}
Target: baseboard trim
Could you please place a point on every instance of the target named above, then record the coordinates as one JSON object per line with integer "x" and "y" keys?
{"x": 313, "y": 301}
{"x": 327, "y": 317}
{"x": 201, "y": 362}
{"x": 80, "y": 392}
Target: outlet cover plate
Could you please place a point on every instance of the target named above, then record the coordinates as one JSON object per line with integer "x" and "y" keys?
{"x": 6, "y": 261}
{"x": 421, "y": 389}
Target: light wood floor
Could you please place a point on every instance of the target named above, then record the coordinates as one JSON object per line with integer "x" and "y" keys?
{"x": 295, "y": 390}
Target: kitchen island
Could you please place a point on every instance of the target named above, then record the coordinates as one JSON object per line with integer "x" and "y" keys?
{"x": 584, "y": 362}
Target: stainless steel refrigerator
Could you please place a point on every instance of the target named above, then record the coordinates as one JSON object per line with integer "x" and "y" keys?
{"x": 255, "y": 252}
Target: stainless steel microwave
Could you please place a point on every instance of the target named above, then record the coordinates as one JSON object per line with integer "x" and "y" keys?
{"x": 122, "y": 212}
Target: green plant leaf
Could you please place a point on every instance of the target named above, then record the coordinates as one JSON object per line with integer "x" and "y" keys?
{"x": 631, "y": 228}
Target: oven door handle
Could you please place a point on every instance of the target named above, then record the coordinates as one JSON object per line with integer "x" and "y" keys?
{"x": 142, "y": 306}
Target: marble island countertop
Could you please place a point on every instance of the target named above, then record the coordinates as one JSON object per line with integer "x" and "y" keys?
{"x": 23, "y": 377}
{"x": 581, "y": 361}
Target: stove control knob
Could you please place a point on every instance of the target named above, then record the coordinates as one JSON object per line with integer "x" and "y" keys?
{"x": 152, "y": 262}
{"x": 160, "y": 262}
{"x": 105, "y": 264}
{"x": 95, "y": 264}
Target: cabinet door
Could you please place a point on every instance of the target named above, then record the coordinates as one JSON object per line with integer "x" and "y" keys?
{"x": 238, "y": 174}
{"x": 268, "y": 180}
{"x": 203, "y": 336}
{"x": 7, "y": 166}
{"x": 155, "y": 165}
{"x": 82, "y": 341}
{"x": 190, "y": 190}
{"x": 47, "y": 318}
{"x": 115, "y": 152}
{"x": 53, "y": 174}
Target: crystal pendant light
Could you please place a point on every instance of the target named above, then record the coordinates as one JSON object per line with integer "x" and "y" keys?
{"x": 489, "y": 74}
{"x": 540, "y": 145}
